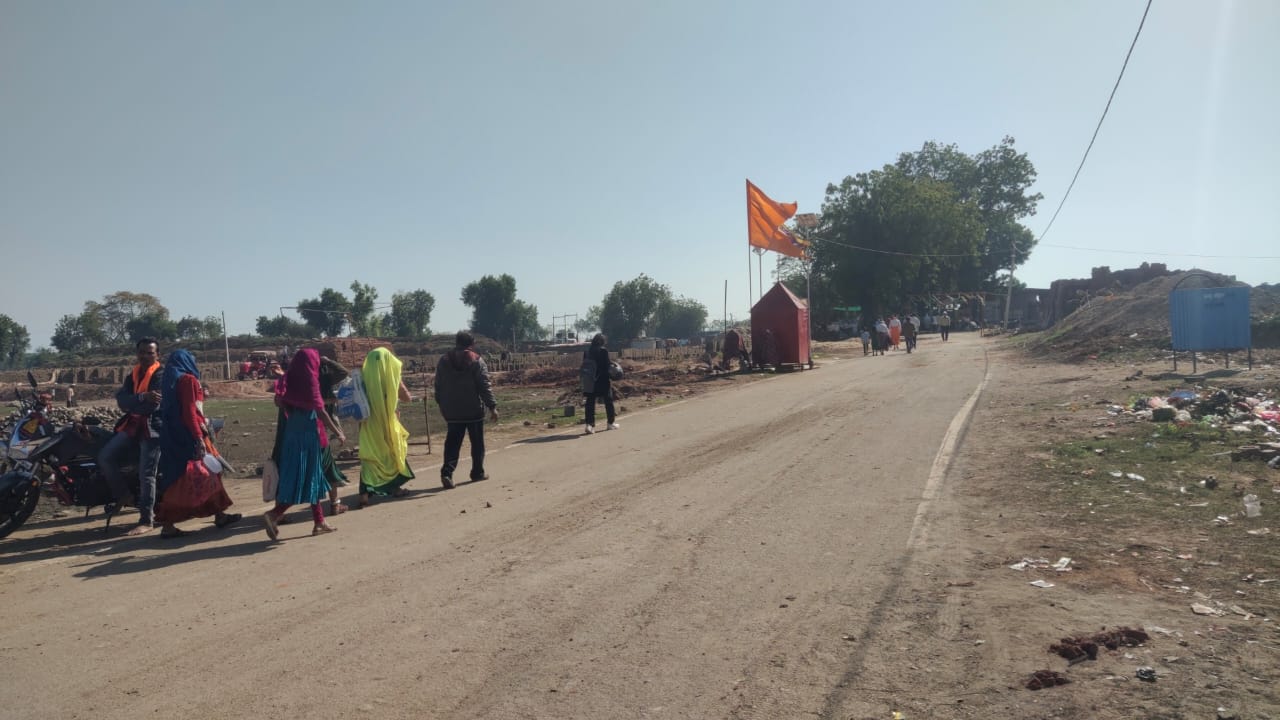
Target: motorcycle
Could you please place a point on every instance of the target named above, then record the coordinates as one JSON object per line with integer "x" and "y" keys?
{"x": 31, "y": 427}
{"x": 61, "y": 462}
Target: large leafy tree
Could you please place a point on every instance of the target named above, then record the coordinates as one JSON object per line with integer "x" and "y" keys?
{"x": 327, "y": 314}
{"x": 888, "y": 234}
{"x": 77, "y": 333}
{"x": 496, "y": 312}
{"x": 630, "y": 308}
{"x": 281, "y": 327}
{"x": 996, "y": 182}
{"x": 410, "y": 314}
{"x": 118, "y": 309}
{"x": 14, "y": 341}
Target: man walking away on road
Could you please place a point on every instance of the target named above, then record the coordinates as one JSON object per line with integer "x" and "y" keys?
{"x": 462, "y": 390}
{"x": 944, "y": 324}
{"x": 866, "y": 341}
{"x": 137, "y": 432}
{"x": 909, "y": 335}
{"x": 602, "y": 388}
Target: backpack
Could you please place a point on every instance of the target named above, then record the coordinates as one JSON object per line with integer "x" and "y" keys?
{"x": 587, "y": 373}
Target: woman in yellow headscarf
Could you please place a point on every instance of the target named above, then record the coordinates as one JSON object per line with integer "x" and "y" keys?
{"x": 384, "y": 443}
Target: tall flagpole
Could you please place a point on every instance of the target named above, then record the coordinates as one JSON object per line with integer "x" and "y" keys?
{"x": 749, "y": 303}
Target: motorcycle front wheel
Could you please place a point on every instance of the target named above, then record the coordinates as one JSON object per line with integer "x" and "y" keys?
{"x": 19, "y": 493}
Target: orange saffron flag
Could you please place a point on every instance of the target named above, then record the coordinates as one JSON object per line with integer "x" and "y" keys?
{"x": 764, "y": 224}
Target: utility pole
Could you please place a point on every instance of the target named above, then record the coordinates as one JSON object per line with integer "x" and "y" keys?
{"x": 1008, "y": 295}
{"x": 226, "y": 344}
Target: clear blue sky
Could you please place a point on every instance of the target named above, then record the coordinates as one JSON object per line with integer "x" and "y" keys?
{"x": 240, "y": 156}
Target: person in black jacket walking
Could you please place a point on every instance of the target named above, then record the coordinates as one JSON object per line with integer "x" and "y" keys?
{"x": 462, "y": 390}
{"x": 602, "y": 389}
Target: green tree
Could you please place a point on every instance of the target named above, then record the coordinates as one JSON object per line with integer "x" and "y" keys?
{"x": 364, "y": 299}
{"x": 14, "y": 341}
{"x": 410, "y": 314}
{"x": 680, "y": 318}
{"x": 996, "y": 181}
{"x": 630, "y": 308}
{"x": 523, "y": 320}
{"x": 281, "y": 327}
{"x": 42, "y": 357}
{"x": 152, "y": 324}
{"x": 913, "y": 234}
{"x": 117, "y": 310}
{"x": 194, "y": 328}
{"x": 327, "y": 314}
{"x": 77, "y": 333}
{"x": 495, "y": 311}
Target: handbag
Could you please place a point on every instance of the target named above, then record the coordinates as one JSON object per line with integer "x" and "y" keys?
{"x": 270, "y": 480}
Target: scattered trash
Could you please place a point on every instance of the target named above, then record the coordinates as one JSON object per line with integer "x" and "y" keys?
{"x": 1259, "y": 531}
{"x": 1158, "y": 629}
{"x": 1145, "y": 674}
{"x": 1042, "y": 679}
{"x": 1041, "y": 564}
{"x": 1116, "y": 474}
{"x": 1135, "y": 477}
{"x": 1252, "y": 506}
{"x": 1225, "y": 714}
{"x": 1041, "y": 583}
{"x": 1209, "y": 483}
{"x": 1199, "y": 609}
{"x": 960, "y": 583}
{"x": 1222, "y": 520}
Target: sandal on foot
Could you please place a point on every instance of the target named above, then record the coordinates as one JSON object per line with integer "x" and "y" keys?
{"x": 174, "y": 533}
{"x": 269, "y": 521}
{"x": 337, "y": 508}
{"x": 399, "y": 493}
{"x": 363, "y": 501}
{"x": 139, "y": 529}
{"x": 323, "y": 530}
{"x": 227, "y": 519}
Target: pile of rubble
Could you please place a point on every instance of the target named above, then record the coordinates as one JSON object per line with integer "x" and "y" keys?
{"x": 107, "y": 415}
{"x": 1239, "y": 411}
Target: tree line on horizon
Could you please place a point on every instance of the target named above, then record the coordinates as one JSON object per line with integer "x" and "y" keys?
{"x": 937, "y": 220}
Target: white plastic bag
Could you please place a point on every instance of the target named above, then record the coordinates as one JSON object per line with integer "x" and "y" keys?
{"x": 353, "y": 404}
{"x": 270, "y": 480}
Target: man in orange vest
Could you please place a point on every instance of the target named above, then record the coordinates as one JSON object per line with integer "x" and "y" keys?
{"x": 138, "y": 431}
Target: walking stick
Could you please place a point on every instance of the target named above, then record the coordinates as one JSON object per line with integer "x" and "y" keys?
{"x": 426, "y": 415}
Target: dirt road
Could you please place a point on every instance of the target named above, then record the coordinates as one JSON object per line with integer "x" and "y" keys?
{"x": 733, "y": 555}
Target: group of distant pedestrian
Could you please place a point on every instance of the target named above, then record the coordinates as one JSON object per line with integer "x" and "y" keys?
{"x": 892, "y": 334}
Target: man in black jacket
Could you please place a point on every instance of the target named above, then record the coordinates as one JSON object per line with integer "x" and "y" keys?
{"x": 462, "y": 390}
{"x": 137, "y": 432}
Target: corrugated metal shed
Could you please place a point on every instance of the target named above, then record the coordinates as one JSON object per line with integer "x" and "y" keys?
{"x": 1210, "y": 318}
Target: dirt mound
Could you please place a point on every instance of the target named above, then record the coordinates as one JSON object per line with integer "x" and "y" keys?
{"x": 1139, "y": 317}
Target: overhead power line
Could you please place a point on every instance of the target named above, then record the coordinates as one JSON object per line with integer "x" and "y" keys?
{"x": 1099, "y": 127}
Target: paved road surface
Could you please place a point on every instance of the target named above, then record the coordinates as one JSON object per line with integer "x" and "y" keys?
{"x": 708, "y": 560}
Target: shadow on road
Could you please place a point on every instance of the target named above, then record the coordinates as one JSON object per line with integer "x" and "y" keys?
{"x": 121, "y": 560}
{"x": 547, "y": 439}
